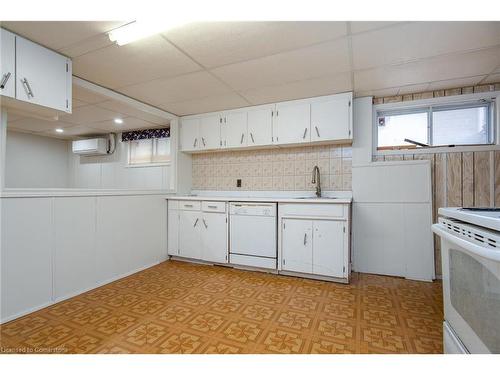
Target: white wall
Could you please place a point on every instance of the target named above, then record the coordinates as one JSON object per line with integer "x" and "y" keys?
{"x": 112, "y": 172}
{"x": 33, "y": 161}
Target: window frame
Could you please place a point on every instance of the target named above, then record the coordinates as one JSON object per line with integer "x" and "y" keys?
{"x": 441, "y": 103}
{"x": 153, "y": 151}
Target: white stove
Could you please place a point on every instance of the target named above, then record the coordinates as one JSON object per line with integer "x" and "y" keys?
{"x": 470, "y": 252}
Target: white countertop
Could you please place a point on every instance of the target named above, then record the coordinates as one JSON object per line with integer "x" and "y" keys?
{"x": 330, "y": 200}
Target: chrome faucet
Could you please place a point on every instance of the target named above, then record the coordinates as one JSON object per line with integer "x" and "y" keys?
{"x": 316, "y": 179}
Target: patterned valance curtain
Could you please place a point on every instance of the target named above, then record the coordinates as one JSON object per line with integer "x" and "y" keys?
{"x": 145, "y": 134}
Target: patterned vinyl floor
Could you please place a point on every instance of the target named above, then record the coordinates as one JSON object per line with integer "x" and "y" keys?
{"x": 178, "y": 307}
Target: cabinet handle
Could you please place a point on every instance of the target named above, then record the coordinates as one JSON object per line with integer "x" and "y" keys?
{"x": 317, "y": 131}
{"x": 195, "y": 142}
{"x": 196, "y": 222}
{"x": 188, "y": 205}
{"x": 212, "y": 206}
{"x": 4, "y": 80}
{"x": 27, "y": 87}
{"x": 251, "y": 136}
{"x": 242, "y": 136}
{"x": 205, "y": 224}
{"x": 305, "y": 132}
{"x": 305, "y": 239}
{"x": 203, "y": 140}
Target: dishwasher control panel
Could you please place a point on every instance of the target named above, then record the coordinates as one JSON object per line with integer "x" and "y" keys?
{"x": 253, "y": 209}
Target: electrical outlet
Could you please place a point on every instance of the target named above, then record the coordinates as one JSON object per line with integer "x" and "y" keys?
{"x": 238, "y": 182}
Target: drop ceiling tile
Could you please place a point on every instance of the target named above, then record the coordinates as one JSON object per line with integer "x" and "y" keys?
{"x": 411, "y": 89}
{"x": 186, "y": 87}
{"x": 454, "y": 83}
{"x": 60, "y": 34}
{"x": 78, "y": 103}
{"x": 117, "y": 66}
{"x": 420, "y": 40}
{"x": 129, "y": 123}
{"x": 378, "y": 93}
{"x": 75, "y": 132}
{"x": 120, "y": 107}
{"x": 89, "y": 114}
{"x": 301, "y": 89}
{"x": 87, "y": 96}
{"x": 436, "y": 69}
{"x": 32, "y": 124}
{"x": 209, "y": 104}
{"x": 310, "y": 62}
{"x": 85, "y": 46}
{"x": 363, "y": 26}
{"x": 492, "y": 78}
{"x": 219, "y": 43}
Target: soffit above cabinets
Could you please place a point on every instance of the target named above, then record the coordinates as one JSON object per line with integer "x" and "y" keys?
{"x": 203, "y": 67}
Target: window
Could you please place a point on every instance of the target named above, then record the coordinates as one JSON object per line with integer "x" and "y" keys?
{"x": 149, "y": 151}
{"x": 444, "y": 125}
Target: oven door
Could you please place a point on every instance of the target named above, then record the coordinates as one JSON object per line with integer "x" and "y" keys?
{"x": 471, "y": 292}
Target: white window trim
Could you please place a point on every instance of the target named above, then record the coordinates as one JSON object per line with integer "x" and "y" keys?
{"x": 445, "y": 100}
{"x": 150, "y": 164}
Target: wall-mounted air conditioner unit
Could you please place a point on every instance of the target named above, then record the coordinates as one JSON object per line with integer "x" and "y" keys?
{"x": 89, "y": 147}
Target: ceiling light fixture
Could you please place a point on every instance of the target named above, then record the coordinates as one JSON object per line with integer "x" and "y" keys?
{"x": 118, "y": 121}
{"x": 140, "y": 29}
{"x": 59, "y": 130}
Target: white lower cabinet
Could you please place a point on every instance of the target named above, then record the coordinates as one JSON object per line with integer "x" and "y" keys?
{"x": 315, "y": 240}
{"x": 196, "y": 234}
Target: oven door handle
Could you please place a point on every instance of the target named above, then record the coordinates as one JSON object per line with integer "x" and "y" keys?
{"x": 469, "y": 247}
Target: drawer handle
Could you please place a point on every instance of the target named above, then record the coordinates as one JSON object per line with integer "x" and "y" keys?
{"x": 27, "y": 87}
{"x": 188, "y": 205}
{"x": 196, "y": 222}
{"x": 205, "y": 224}
{"x": 305, "y": 239}
{"x": 242, "y": 136}
{"x": 305, "y": 132}
{"x": 4, "y": 80}
{"x": 251, "y": 136}
{"x": 317, "y": 132}
{"x": 212, "y": 206}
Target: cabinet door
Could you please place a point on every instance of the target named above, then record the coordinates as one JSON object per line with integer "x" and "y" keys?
{"x": 173, "y": 232}
{"x": 7, "y": 63}
{"x": 292, "y": 123}
{"x": 234, "y": 130}
{"x": 189, "y": 234}
{"x": 210, "y": 132}
{"x": 260, "y": 126}
{"x": 214, "y": 237}
{"x": 296, "y": 245}
{"x": 190, "y": 134}
{"x": 41, "y": 75}
{"x": 330, "y": 120}
{"x": 328, "y": 248}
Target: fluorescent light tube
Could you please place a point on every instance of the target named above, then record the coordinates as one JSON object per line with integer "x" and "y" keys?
{"x": 136, "y": 30}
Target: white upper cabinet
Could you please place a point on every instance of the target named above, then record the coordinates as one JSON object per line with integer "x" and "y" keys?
{"x": 210, "y": 132}
{"x": 190, "y": 132}
{"x": 41, "y": 76}
{"x": 260, "y": 126}
{"x": 331, "y": 119}
{"x": 7, "y": 63}
{"x": 34, "y": 74}
{"x": 234, "y": 129}
{"x": 292, "y": 123}
{"x": 307, "y": 121}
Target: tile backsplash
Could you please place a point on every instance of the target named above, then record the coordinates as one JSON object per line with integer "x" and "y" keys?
{"x": 276, "y": 169}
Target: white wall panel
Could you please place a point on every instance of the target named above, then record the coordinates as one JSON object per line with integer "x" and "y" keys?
{"x": 74, "y": 248}
{"x": 26, "y": 255}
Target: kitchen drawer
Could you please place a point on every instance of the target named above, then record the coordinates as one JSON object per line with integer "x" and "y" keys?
{"x": 190, "y": 205}
{"x": 173, "y": 204}
{"x": 208, "y": 206}
{"x": 313, "y": 210}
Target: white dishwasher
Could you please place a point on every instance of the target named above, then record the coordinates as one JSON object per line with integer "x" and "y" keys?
{"x": 252, "y": 234}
